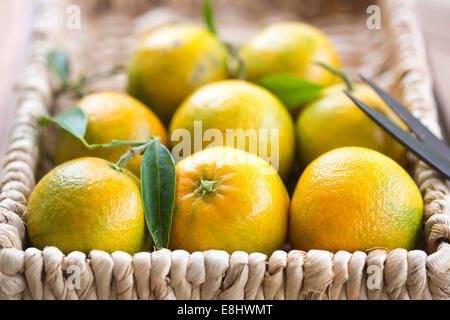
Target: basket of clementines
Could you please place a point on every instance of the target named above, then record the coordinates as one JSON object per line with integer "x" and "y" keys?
{"x": 206, "y": 150}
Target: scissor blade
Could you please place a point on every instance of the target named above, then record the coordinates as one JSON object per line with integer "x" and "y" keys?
{"x": 427, "y": 154}
{"x": 413, "y": 124}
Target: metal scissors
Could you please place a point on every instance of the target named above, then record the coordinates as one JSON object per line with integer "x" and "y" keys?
{"x": 426, "y": 146}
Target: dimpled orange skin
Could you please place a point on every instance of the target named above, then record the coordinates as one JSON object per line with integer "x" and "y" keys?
{"x": 85, "y": 205}
{"x": 246, "y": 210}
{"x": 171, "y": 62}
{"x": 237, "y": 104}
{"x": 111, "y": 116}
{"x": 334, "y": 121}
{"x": 355, "y": 199}
{"x": 290, "y": 48}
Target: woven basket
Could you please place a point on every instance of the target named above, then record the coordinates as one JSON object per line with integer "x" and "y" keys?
{"x": 394, "y": 56}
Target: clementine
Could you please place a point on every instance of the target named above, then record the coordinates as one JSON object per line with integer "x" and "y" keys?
{"x": 353, "y": 199}
{"x": 88, "y": 204}
{"x": 111, "y": 116}
{"x": 228, "y": 199}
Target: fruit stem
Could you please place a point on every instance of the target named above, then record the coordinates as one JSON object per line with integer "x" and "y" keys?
{"x": 78, "y": 86}
{"x": 338, "y": 73}
{"x": 131, "y": 153}
{"x": 235, "y": 54}
{"x": 233, "y": 51}
{"x": 206, "y": 186}
{"x": 104, "y": 74}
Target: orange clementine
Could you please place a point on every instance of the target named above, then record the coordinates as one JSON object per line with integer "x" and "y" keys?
{"x": 111, "y": 116}
{"x": 353, "y": 199}
{"x": 247, "y": 117}
{"x": 228, "y": 199}
{"x": 88, "y": 204}
{"x": 335, "y": 121}
{"x": 290, "y": 48}
{"x": 171, "y": 62}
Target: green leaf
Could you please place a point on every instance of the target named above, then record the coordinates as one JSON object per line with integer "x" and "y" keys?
{"x": 158, "y": 178}
{"x": 73, "y": 120}
{"x": 291, "y": 90}
{"x": 208, "y": 16}
{"x": 58, "y": 62}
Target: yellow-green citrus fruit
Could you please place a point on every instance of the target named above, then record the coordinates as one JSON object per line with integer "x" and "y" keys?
{"x": 354, "y": 199}
{"x": 228, "y": 199}
{"x": 234, "y": 105}
{"x": 290, "y": 48}
{"x": 334, "y": 121}
{"x": 171, "y": 62}
{"x": 86, "y": 204}
{"x": 111, "y": 116}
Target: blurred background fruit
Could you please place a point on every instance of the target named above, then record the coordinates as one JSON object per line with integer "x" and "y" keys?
{"x": 334, "y": 121}
{"x": 171, "y": 62}
{"x": 355, "y": 199}
{"x": 228, "y": 199}
{"x": 290, "y": 48}
{"x": 86, "y": 204}
{"x": 111, "y": 116}
{"x": 237, "y": 104}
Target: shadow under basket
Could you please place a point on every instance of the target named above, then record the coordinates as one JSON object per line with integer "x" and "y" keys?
{"x": 394, "y": 56}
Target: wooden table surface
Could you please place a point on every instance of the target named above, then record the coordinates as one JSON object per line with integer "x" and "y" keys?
{"x": 14, "y": 32}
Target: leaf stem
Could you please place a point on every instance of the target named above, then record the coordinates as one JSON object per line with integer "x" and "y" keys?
{"x": 338, "y": 73}
{"x": 113, "y": 144}
{"x": 131, "y": 153}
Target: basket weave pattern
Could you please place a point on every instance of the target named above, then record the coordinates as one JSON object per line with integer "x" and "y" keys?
{"x": 394, "y": 56}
